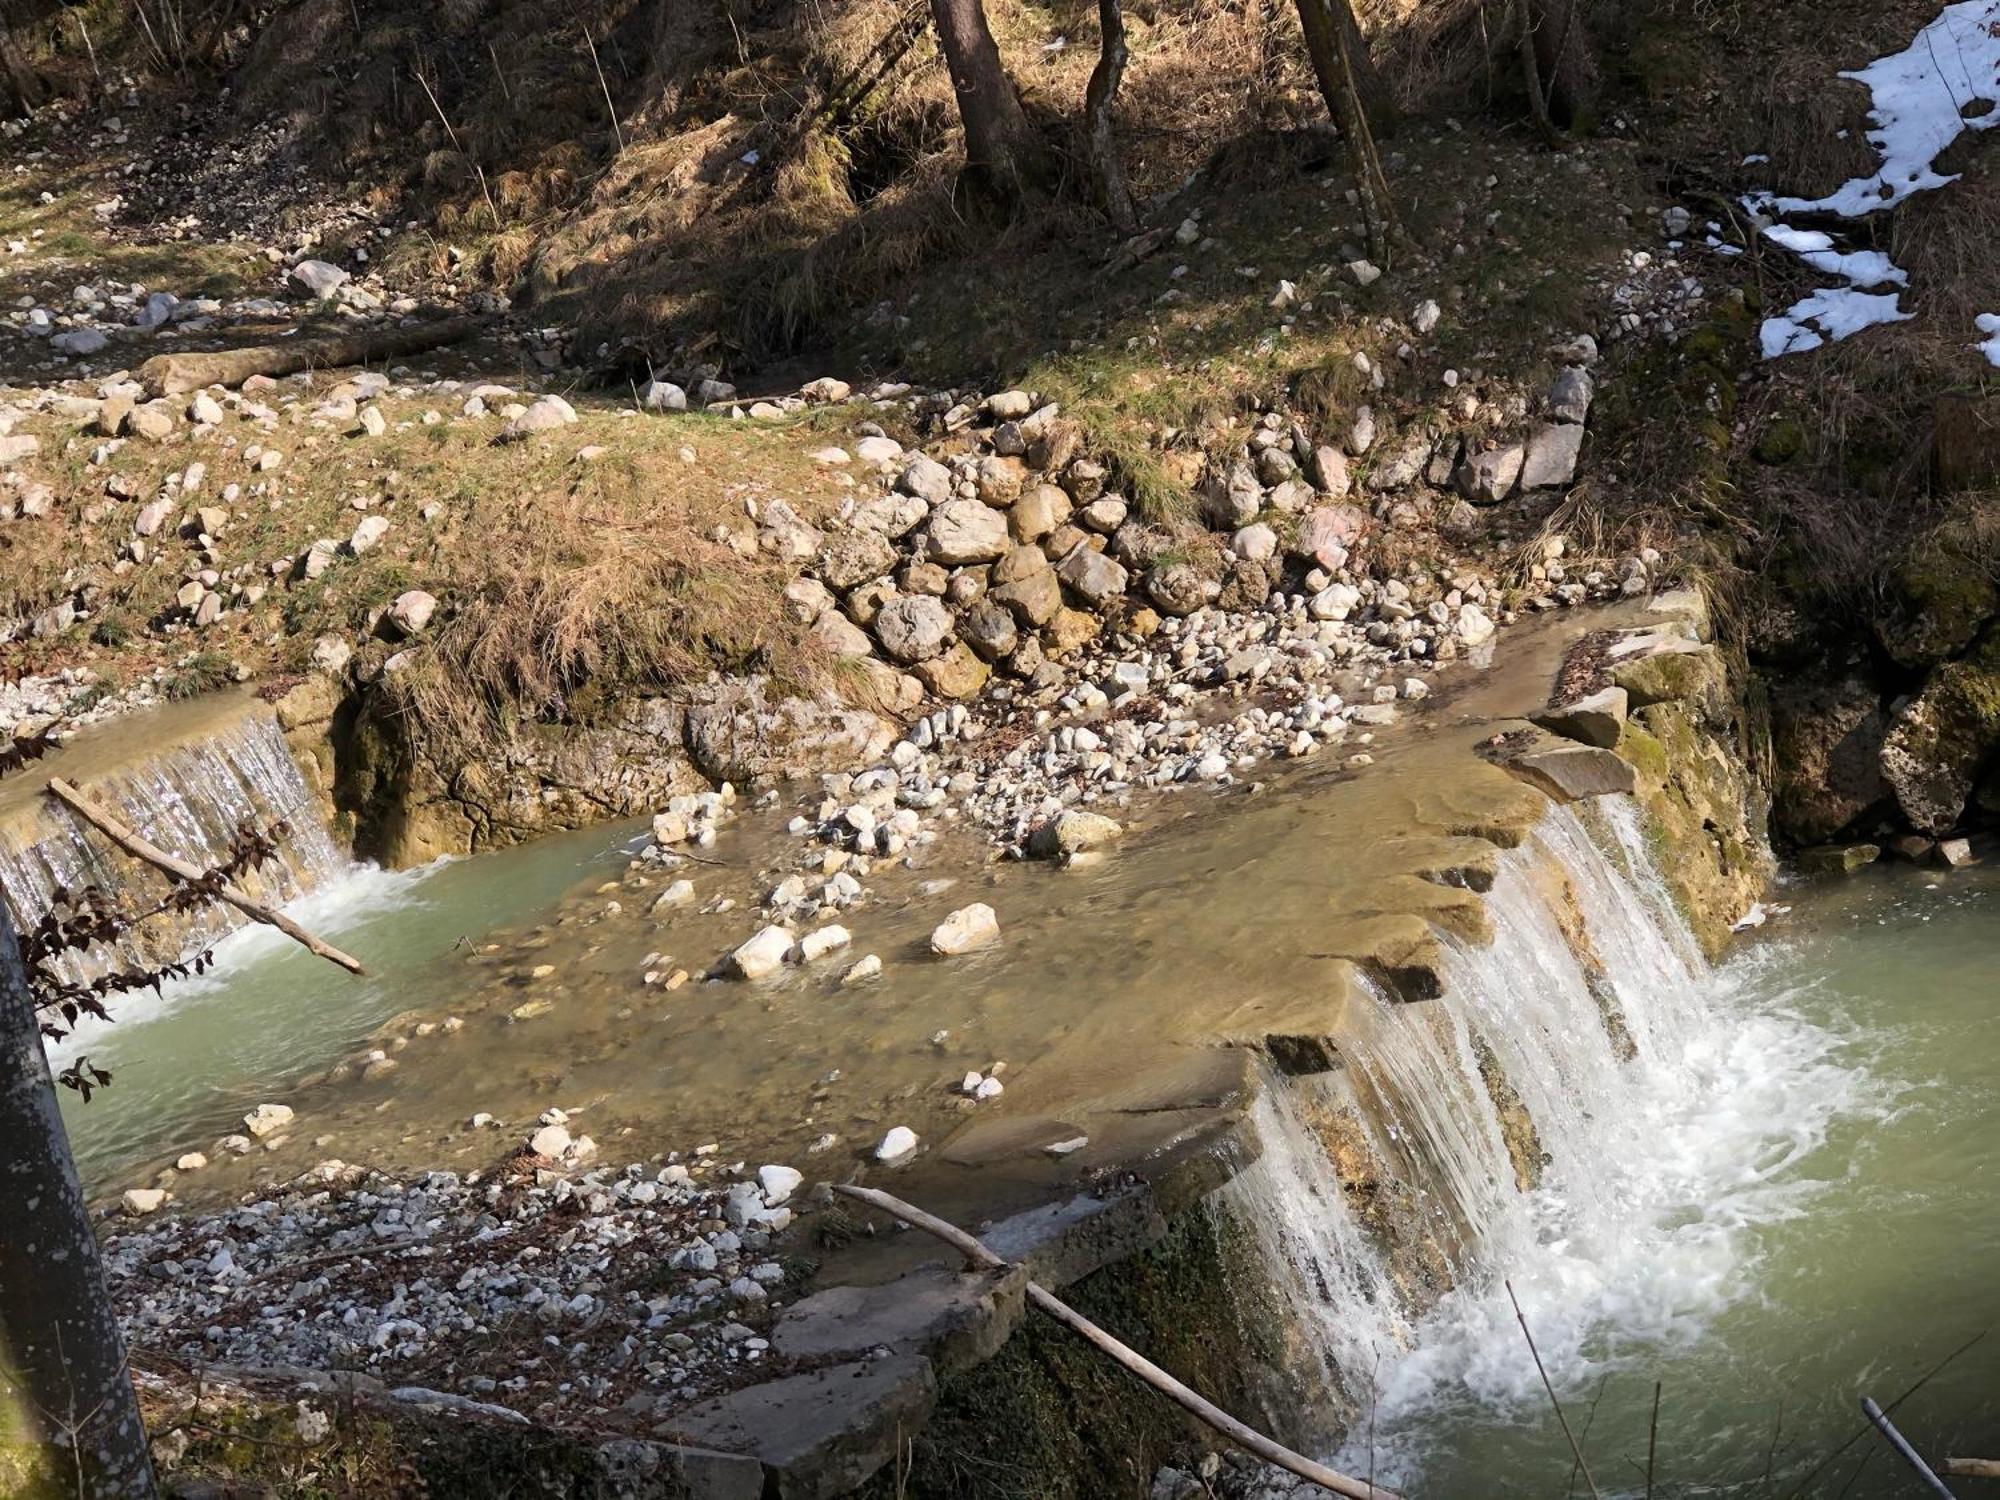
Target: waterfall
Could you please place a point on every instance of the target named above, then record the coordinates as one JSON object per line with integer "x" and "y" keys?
{"x": 1578, "y": 1114}
{"x": 188, "y": 793}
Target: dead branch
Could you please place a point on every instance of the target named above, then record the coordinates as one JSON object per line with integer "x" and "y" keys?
{"x": 152, "y": 854}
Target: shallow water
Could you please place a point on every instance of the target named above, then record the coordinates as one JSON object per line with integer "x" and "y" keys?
{"x": 1810, "y": 1218}
{"x": 187, "y": 1063}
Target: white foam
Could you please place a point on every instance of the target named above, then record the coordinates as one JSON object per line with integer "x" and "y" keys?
{"x": 1661, "y": 1169}
{"x": 336, "y": 907}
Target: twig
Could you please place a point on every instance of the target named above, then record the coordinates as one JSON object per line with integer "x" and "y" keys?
{"x": 139, "y": 848}
{"x": 1971, "y": 1468}
{"x": 1652, "y": 1440}
{"x": 612, "y": 109}
{"x": 499, "y": 72}
{"x": 1561, "y": 1420}
{"x": 477, "y": 170}
{"x": 1902, "y": 1447}
{"x": 1589, "y": 1421}
{"x": 1246, "y": 1437}
{"x": 96, "y": 71}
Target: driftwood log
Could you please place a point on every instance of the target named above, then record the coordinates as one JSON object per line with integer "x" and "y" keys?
{"x": 152, "y": 854}
{"x": 1247, "y": 1438}
{"x": 178, "y": 374}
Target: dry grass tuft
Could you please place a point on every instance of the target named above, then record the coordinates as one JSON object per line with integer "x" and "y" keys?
{"x": 569, "y": 603}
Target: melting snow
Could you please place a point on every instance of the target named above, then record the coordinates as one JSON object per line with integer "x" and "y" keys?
{"x": 1944, "y": 84}
{"x": 1855, "y": 267}
{"x": 1833, "y": 314}
{"x": 1989, "y": 324}
{"x": 1925, "y": 97}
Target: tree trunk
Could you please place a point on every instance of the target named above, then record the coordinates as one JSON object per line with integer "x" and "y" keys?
{"x": 66, "y": 1398}
{"x": 1327, "y": 25}
{"x": 23, "y": 85}
{"x": 1000, "y": 144}
{"x": 1376, "y": 99}
{"x": 1529, "y": 54}
{"x": 1097, "y": 101}
{"x": 1566, "y": 61}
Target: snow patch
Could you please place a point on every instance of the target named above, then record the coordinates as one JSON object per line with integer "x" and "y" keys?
{"x": 1862, "y": 268}
{"x": 1833, "y": 313}
{"x": 1989, "y": 324}
{"x": 1945, "y": 83}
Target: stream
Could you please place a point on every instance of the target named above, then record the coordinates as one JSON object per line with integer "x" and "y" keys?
{"x": 1765, "y": 1188}
{"x": 190, "y": 1061}
{"x": 1812, "y": 1221}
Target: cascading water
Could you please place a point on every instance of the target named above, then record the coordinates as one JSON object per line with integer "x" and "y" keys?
{"x": 1582, "y": 1114}
{"x": 190, "y": 798}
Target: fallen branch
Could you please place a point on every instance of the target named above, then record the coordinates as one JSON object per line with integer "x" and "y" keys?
{"x": 1244, "y": 1437}
{"x": 177, "y": 374}
{"x": 139, "y": 848}
{"x": 1971, "y": 1468}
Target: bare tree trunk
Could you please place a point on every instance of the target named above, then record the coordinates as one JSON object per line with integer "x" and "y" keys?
{"x": 1567, "y": 61}
{"x": 24, "y": 85}
{"x": 1327, "y": 25}
{"x": 1000, "y": 144}
{"x": 1529, "y": 55}
{"x": 1376, "y": 100}
{"x": 66, "y": 1397}
{"x": 1097, "y": 101}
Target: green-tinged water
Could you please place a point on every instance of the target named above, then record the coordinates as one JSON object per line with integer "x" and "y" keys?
{"x": 1820, "y": 1222}
{"x": 188, "y": 1064}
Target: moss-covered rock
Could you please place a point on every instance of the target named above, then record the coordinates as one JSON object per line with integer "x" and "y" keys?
{"x": 1933, "y": 755}
{"x": 1939, "y": 600}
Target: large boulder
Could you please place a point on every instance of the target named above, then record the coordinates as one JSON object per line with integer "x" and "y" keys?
{"x": 1176, "y": 588}
{"x": 853, "y": 557}
{"x": 1933, "y": 754}
{"x": 737, "y": 733}
{"x": 956, "y": 673}
{"x": 1095, "y": 578}
{"x": 927, "y": 479}
{"x": 1552, "y": 455}
{"x": 1487, "y": 477}
{"x": 1826, "y": 743}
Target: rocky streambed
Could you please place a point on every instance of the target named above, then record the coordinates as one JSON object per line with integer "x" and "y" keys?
{"x": 568, "y": 1189}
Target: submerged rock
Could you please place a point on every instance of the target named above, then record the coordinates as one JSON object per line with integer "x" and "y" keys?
{"x": 969, "y": 927}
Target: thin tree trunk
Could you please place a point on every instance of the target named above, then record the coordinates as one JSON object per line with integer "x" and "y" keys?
{"x": 1376, "y": 100}
{"x": 1529, "y": 56}
{"x": 24, "y": 85}
{"x": 1097, "y": 100}
{"x": 1567, "y": 61}
{"x": 66, "y": 1395}
{"x": 1000, "y": 144}
{"x": 1334, "y": 63}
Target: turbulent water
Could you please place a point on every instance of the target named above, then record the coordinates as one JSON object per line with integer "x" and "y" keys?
{"x": 1743, "y": 1194}
{"x": 190, "y": 798}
